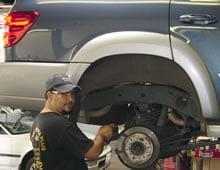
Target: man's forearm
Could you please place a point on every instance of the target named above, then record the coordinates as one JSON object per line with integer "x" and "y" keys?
{"x": 96, "y": 149}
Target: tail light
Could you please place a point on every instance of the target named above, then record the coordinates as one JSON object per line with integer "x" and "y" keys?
{"x": 16, "y": 25}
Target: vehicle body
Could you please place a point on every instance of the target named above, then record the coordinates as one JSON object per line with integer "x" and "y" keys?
{"x": 151, "y": 65}
{"x": 16, "y": 148}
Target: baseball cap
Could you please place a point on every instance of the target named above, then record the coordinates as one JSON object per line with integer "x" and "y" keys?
{"x": 61, "y": 83}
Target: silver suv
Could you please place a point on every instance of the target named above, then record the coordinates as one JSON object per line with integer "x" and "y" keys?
{"x": 153, "y": 66}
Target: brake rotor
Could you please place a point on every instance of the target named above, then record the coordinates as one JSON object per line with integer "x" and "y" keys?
{"x": 138, "y": 147}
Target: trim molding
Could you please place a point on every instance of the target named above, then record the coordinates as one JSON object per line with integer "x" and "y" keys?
{"x": 10, "y": 155}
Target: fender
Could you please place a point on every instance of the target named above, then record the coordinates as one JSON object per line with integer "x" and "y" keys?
{"x": 25, "y": 155}
{"x": 192, "y": 64}
{"x": 27, "y": 149}
{"x": 128, "y": 42}
{"x": 116, "y": 43}
{"x": 135, "y": 42}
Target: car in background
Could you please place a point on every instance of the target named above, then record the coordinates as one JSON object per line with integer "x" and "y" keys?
{"x": 16, "y": 148}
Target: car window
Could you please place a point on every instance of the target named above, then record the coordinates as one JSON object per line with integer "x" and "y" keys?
{"x": 16, "y": 121}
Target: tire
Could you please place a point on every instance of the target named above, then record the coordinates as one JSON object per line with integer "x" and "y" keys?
{"x": 30, "y": 164}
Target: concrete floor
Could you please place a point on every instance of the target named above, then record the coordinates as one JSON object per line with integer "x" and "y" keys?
{"x": 115, "y": 162}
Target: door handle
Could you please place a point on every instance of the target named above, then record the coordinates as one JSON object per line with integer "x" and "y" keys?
{"x": 198, "y": 19}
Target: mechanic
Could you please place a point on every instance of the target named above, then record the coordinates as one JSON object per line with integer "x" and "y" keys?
{"x": 58, "y": 143}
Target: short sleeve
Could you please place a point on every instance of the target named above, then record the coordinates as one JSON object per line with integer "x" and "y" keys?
{"x": 76, "y": 142}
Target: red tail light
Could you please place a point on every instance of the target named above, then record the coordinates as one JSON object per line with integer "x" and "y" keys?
{"x": 16, "y": 25}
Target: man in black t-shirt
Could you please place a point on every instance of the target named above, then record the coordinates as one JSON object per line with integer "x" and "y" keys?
{"x": 58, "y": 144}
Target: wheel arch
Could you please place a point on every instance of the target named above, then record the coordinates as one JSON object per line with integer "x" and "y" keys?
{"x": 190, "y": 61}
{"x": 92, "y": 60}
{"x": 25, "y": 159}
{"x": 137, "y": 69}
{"x": 132, "y": 69}
{"x": 124, "y": 42}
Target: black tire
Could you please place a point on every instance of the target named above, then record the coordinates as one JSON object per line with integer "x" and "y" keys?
{"x": 29, "y": 164}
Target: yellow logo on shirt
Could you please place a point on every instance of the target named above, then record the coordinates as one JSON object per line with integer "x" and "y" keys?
{"x": 38, "y": 142}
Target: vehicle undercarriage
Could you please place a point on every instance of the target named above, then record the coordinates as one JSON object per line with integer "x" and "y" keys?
{"x": 159, "y": 120}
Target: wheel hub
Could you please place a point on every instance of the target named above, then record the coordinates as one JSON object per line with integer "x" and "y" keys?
{"x": 138, "y": 147}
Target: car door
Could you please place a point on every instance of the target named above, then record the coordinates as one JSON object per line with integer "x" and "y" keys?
{"x": 5, "y": 149}
{"x": 197, "y": 23}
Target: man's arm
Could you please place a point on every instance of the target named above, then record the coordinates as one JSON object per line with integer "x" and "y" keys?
{"x": 103, "y": 137}
{"x": 96, "y": 149}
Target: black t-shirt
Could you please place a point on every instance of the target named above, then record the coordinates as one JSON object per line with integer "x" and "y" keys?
{"x": 58, "y": 144}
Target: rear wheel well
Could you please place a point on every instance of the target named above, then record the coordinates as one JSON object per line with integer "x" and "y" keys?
{"x": 120, "y": 97}
{"x": 135, "y": 68}
{"x": 27, "y": 156}
{"x": 139, "y": 69}
{"x": 146, "y": 93}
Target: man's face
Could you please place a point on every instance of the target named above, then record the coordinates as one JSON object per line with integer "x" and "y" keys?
{"x": 62, "y": 103}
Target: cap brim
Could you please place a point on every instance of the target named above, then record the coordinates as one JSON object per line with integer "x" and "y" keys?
{"x": 67, "y": 88}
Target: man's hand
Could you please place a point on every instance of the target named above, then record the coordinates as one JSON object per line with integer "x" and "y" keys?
{"x": 106, "y": 132}
{"x": 102, "y": 138}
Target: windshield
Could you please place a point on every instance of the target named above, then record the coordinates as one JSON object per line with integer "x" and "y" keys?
{"x": 16, "y": 121}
